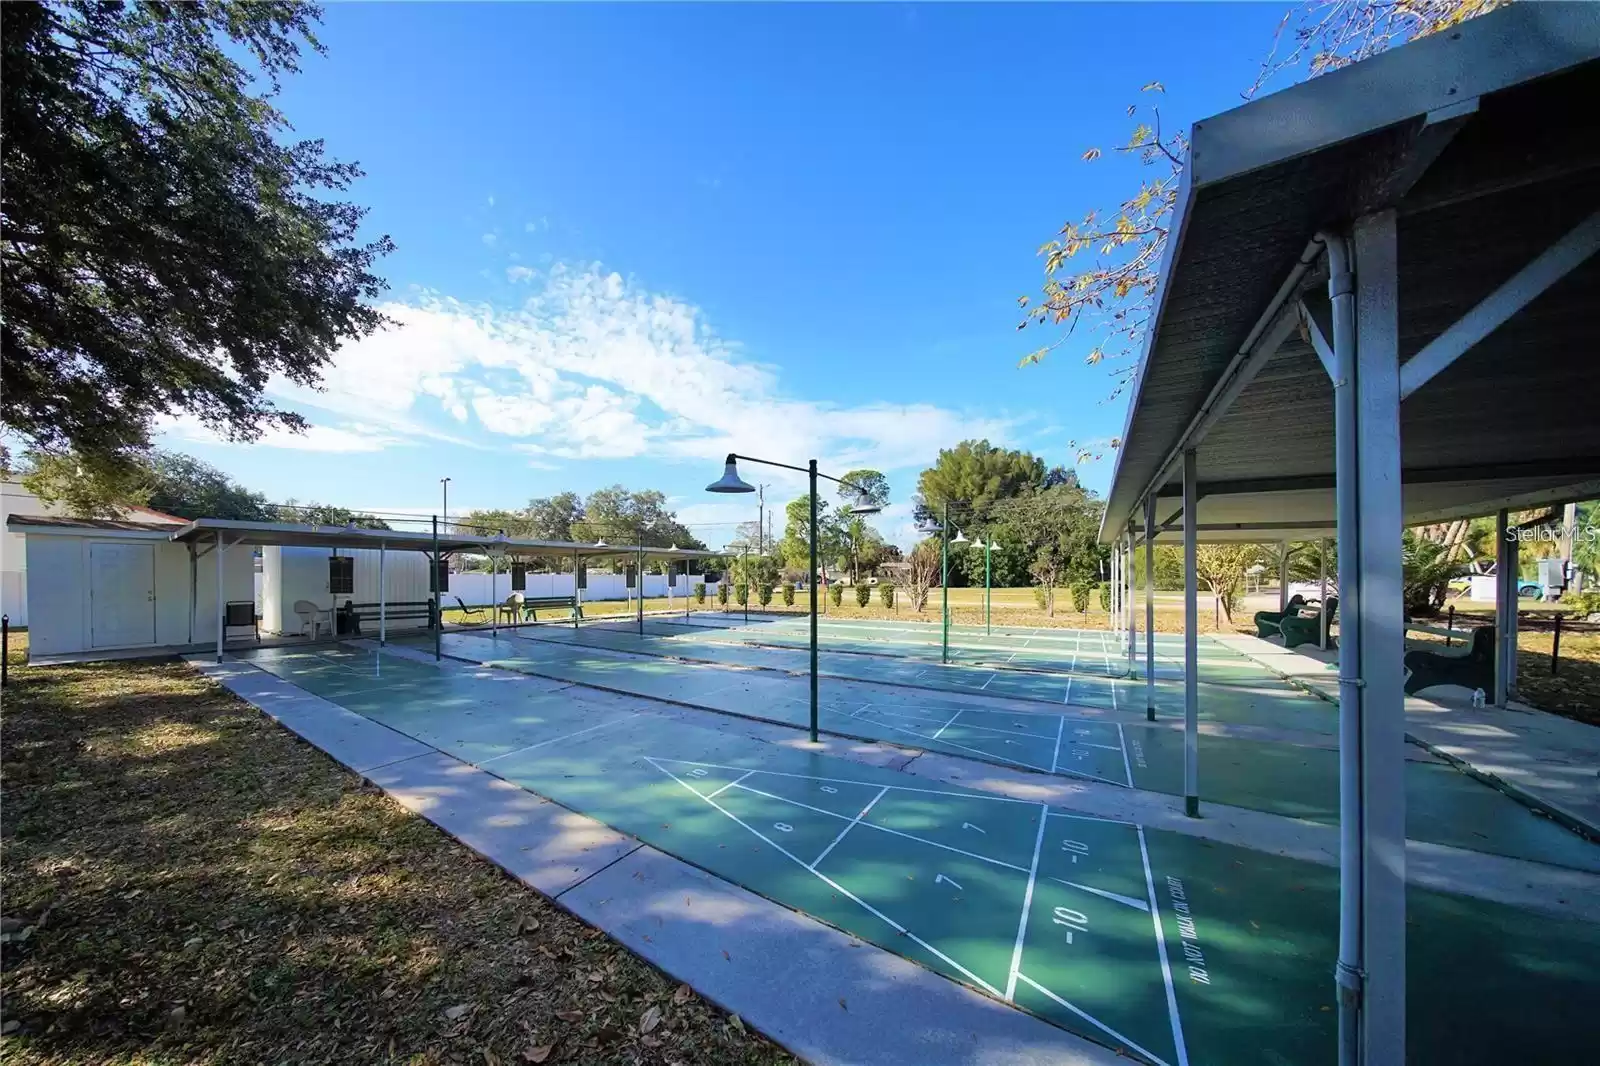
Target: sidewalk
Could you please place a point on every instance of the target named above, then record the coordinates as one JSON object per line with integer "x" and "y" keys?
{"x": 1549, "y": 762}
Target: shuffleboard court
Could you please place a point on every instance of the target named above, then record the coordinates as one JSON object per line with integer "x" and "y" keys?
{"x": 1445, "y": 806}
{"x": 1172, "y": 949}
{"x": 1084, "y": 651}
{"x": 1269, "y": 701}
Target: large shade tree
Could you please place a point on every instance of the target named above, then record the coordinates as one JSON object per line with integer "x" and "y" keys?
{"x": 971, "y": 478}
{"x": 168, "y": 247}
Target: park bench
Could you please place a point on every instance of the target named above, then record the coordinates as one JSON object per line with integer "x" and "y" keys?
{"x": 518, "y": 607}
{"x": 1268, "y": 622}
{"x": 354, "y": 615}
{"x": 1472, "y": 667}
{"x": 1307, "y": 627}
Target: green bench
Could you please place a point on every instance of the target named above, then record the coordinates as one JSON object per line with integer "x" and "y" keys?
{"x": 1306, "y": 628}
{"x": 1268, "y": 622}
{"x": 519, "y": 608}
{"x": 1471, "y": 667}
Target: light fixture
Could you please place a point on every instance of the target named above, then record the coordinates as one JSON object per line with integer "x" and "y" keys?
{"x": 601, "y": 543}
{"x": 496, "y": 548}
{"x": 864, "y": 505}
{"x": 960, "y": 538}
{"x": 730, "y": 480}
{"x": 979, "y": 544}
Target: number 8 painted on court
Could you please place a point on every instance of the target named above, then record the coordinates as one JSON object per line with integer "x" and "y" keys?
{"x": 783, "y": 827}
{"x": 1075, "y": 921}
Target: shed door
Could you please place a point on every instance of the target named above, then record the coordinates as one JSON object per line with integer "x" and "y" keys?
{"x": 122, "y": 594}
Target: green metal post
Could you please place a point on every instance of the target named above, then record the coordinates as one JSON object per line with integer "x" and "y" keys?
{"x": 944, "y": 578}
{"x": 813, "y": 584}
{"x": 988, "y": 549}
{"x": 438, "y": 597}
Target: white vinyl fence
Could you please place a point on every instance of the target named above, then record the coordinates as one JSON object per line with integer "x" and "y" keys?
{"x": 475, "y": 588}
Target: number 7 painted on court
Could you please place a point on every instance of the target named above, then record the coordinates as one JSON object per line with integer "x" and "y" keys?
{"x": 942, "y": 879}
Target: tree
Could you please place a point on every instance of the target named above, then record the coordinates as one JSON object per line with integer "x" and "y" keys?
{"x": 795, "y": 547}
{"x": 971, "y": 478}
{"x": 1059, "y": 530}
{"x": 1101, "y": 271}
{"x": 920, "y": 573}
{"x": 1222, "y": 567}
{"x": 861, "y": 545}
{"x": 551, "y": 517}
{"x": 326, "y": 514}
{"x": 93, "y": 486}
{"x": 623, "y": 516}
{"x": 870, "y": 483}
{"x": 165, "y": 253}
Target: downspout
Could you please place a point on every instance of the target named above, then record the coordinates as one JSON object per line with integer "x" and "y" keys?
{"x": 1350, "y": 970}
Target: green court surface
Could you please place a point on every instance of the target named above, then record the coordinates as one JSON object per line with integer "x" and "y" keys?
{"x": 1079, "y": 651}
{"x": 1445, "y": 806}
{"x": 1268, "y": 701}
{"x": 1172, "y": 949}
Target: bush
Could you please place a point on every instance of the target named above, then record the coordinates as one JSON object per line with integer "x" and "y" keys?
{"x": 1582, "y": 604}
{"x": 788, "y": 593}
{"x": 886, "y": 595}
{"x": 1039, "y": 598}
{"x": 863, "y": 595}
{"x": 764, "y": 593}
{"x": 836, "y": 594}
{"x": 1080, "y": 597}
{"x": 741, "y": 593}
{"x": 1105, "y": 595}
{"x": 700, "y": 592}
{"x": 722, "y": 593}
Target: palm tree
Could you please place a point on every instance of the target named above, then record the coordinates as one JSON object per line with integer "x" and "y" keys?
{"x": 1427, "y": 569}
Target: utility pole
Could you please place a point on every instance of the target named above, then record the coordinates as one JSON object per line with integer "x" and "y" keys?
{"x": 444, "y": 488}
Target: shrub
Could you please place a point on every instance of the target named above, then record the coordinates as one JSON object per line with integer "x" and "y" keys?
{"x": 863, "y": 595}
{"x": 788, "y": 593}
{"x": 1105, "y": 595}
{"x": 1080, "y": 597}
{"x": 700, "y": 592}
{"x": 741, "y": 593}
{"x": 722, "y": 593}
{"x": 886, "y": 595}
{"x": 1039, "y": 600}
{"x": 764, "y": 593}
{"x": 836, "y": 594}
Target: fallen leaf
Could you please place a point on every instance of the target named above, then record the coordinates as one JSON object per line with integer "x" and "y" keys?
{"x": 537, "y": 1054}
{"x": 736, "y": 1021}
{"x": 490, "y": 1058}
{"x": 525, "y": 925}
{"x": 455, "y": 1013}
{"x": 651, "y": 1019}
{"x": 842, "y": 1004}
{"x": 681, "y": 996}
{"x": 572, "y": 1017}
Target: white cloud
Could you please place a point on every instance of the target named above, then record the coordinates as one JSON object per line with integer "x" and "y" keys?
{"x": 490, "y": 238}
{"x": 591, "y": 367}
{"x": 519, "y": 273}
{"x": 491, "y": 199}
{"x": 351, "y": 437}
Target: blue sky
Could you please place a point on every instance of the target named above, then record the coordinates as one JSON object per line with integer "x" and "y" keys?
{"x": 631, "y": 238}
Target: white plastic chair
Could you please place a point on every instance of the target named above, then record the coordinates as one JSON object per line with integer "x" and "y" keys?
{"x": 511, "y": 609}
{"x": 313, "y": 618}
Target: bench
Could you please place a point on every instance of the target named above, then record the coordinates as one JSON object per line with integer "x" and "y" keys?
{"x": 1268, "y": 622}
{"x": 1472, "y": 667}
{"x": 531, "y": 606}
{"x": 1307, "y": 628}
{"x": 395, "y": 611}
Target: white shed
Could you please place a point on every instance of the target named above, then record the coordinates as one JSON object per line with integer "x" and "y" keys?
{"x": 104, "y": 585}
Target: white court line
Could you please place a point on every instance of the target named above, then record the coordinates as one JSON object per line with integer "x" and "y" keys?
{"x": 1027, "y": 905}
{"x": 1137, "y": 904}
{"x": 825, "y": 879}
{"x": 557, "y": 740}
{"x": 1094, "y": 818}
{"x": 730, "y": 784}
{"x": 942, "y": 728}
{"x": 1161, "y": 946}
{"x": 969, "y": 726}
{"x": 1127, "y": 768}
{"x": 1097, "y": 1023}
{"x": 853, "y": 823}
{"x": 850, "y": 781}
{"x": 990, "y": 755}
{"x": 985, "y": 685}
{"x": 1067, "y": 697}
{"x": 886, "y": 829}
{"x": 1055, "y": 753}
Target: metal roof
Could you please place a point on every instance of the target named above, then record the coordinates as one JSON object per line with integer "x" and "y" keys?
{"x": 289, "y": 534}
{"x": 1485, "y": 141}
{"x": 19, "y": 523}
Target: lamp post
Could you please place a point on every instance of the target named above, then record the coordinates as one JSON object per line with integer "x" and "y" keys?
{"x": 444, "y": 489}
{"x": 496, "y": 550}
{"x": 988, "y": 550}
{"x": 944, "y": 577}
{"x": 731, "y": 482}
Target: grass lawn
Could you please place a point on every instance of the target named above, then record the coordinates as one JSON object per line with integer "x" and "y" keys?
{"x": 184, "y": 881}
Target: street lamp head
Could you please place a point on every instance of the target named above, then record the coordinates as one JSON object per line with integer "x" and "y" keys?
{"x": 601, "y": 543}
{"x": 496, "y": 548}
{"x": 864, "y": 505}
{"x": 979, "y": 544}
{"x": 730, "y": 480}
{"x": 960, "y": 538}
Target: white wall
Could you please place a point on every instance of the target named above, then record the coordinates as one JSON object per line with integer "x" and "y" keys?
{"x": 475, "y": 590}
{"x": 290, "y": 574}
{"x": 14, "y": 499}
{"x": 59, "y": 595}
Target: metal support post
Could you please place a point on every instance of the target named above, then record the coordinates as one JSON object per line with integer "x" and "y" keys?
{"x": 944, "y": 582}
{"x": 383, "y": 593}
{"x": 221, "y": 617}
{"x": 577, "y": 593}
{"x": 1322, "y": 593}
{"x": 1191, "y": 643}
{"x": 438, "y": 595}
{"x": 988, "y": 551}
{"x": 813, "y": 584}
{"x": 1133, "y": 626}
{"x": 1370, "y": 975}
{"x": 1505, "y": 610}
{"x": 1283, "y": 578}
{"x": 1150, "y": 607}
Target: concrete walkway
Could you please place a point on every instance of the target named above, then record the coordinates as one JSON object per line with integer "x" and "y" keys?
{"x": 1549, "y": 762}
